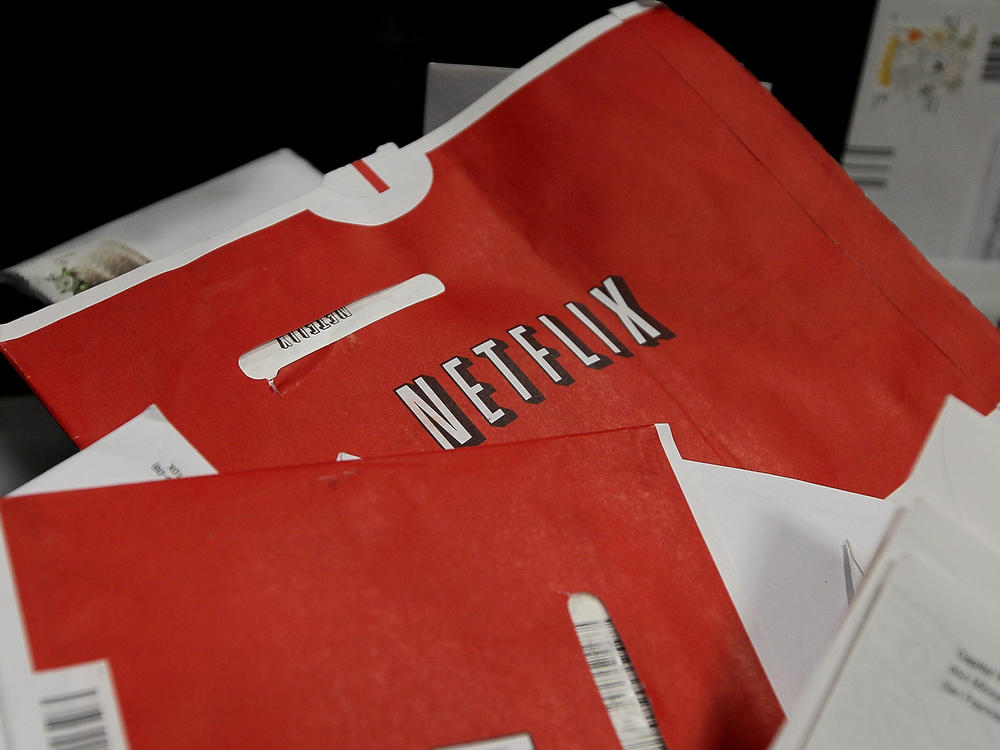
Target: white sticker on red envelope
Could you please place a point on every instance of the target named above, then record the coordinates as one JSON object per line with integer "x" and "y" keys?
{"x": 513, "y": 742}
{"x": 264, "y": 361}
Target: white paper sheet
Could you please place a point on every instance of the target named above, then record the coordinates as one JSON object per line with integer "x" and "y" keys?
{"x": 925, "y": 533}
{"x": 922, "y": 672}
{"x": 451, "y": 88}
{"x": 958, "y": 469}
{"x": 144, "y": 449}
{"x": 779, "y": 545}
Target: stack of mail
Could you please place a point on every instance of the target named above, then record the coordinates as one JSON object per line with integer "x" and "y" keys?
{"x": 685, "y": 359}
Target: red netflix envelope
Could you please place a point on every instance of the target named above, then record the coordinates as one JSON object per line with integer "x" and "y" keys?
{"x": 629, "y": 230}
{"x": 418, "y": 602}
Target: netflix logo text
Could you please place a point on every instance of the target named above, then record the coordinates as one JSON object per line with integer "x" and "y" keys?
{"x": 439, "y": 413}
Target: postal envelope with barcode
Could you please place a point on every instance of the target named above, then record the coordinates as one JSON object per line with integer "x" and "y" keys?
{"x": 546, "y": 594}
{"x": 924, "y": 139}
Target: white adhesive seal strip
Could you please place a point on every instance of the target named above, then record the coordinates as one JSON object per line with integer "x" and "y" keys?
{"x": 514, "y": 742}
{"x": 624, "y": 697}
{"x": 264, "y": 361}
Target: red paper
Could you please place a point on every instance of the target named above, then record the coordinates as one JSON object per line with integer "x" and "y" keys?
{"x": 800, "y": 333}
{"x": 413, "y": 602}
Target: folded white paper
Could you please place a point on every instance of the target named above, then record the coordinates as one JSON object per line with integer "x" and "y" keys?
{"x": 781, "y": 549}
{"x": 965, "y": 564}
{"x": 923, "y": 671}
{"x": 144, "y": 449}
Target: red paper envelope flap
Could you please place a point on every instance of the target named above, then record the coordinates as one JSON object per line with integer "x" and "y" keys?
{"x": 829, "y": 196}
{"x": 785, "y": 344}
{"x": 411, "y": 602}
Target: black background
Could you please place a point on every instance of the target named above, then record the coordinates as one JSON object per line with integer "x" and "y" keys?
{"x": 106, "y": 113}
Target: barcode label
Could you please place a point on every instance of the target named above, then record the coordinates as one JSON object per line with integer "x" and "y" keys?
{"x": 991, "y": 66}
{"x": 263, "y": 362}
{"x": 78, "y": 709}
{"x": 67, "y": 708}
{"x": 74, "y": 721}
{"x": 869, "y": 166}
{"x": 624, "y": 697}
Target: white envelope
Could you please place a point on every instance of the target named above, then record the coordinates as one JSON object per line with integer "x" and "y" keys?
{"x": 165, "y": 227}
{"x": 922, "y": 672}
{"x": 958, "y": 469}
{"x": 924, "y": 137}
{"x": 964, "y": 558}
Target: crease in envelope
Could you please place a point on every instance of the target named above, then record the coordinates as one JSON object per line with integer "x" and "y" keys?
{"x": 146, "y": 448}
{"x": 958, "y": 468}
{"x": 779, "y": 546}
